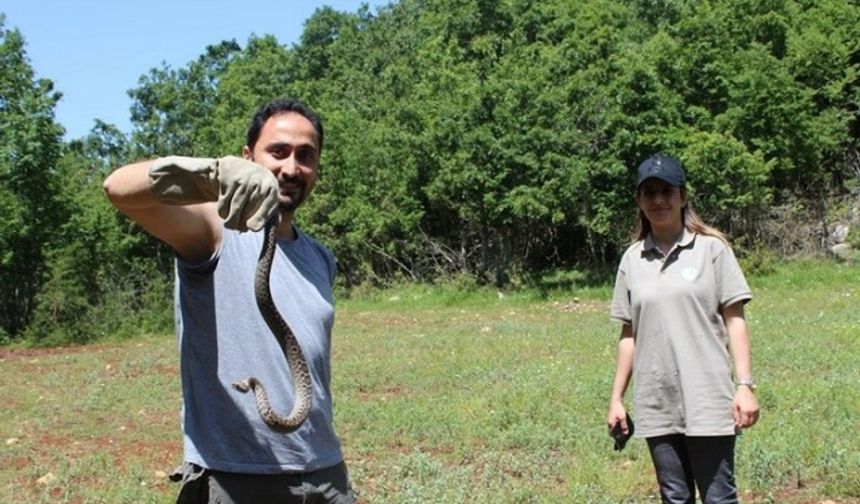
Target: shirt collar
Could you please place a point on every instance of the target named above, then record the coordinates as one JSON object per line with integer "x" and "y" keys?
{"x": 687, "y": 238}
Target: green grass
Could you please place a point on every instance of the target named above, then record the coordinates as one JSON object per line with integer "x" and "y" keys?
{"x": 460, "y": 395}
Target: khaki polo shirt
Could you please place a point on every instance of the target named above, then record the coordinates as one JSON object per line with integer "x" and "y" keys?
{"x": 682, "y": 374}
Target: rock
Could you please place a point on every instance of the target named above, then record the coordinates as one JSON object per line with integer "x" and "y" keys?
{"x": 839, "y": 234}
{"x": 11, "y": 441}
{"x": 843, "y": 251}
{"x": 46, "y": 479}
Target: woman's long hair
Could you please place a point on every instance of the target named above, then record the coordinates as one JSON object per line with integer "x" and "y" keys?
{"x": 690, "y": 219}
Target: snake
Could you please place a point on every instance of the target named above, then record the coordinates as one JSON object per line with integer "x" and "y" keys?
{"x": 287, "y": 341}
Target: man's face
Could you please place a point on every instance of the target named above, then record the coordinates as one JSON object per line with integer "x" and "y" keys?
{"x": 288, "y": 146}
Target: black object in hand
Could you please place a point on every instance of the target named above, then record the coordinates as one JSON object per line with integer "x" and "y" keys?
{"x": 619, "y": 436}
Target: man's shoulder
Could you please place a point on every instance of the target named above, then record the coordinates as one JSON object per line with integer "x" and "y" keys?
{"x": 321, "y": 254}
{"x": 313, "y": 242}
{"x": 313, "y": 246}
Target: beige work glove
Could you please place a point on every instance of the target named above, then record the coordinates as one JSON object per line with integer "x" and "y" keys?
{"x": 247, "y": 193}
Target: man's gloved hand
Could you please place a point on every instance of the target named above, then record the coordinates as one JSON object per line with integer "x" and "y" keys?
{"x": 247, "y": 193}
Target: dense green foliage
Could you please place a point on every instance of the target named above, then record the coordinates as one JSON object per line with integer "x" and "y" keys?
{"x": 30, "y": 147}
{"x": 71, "y": 269}
{"x": 495, "y": 139}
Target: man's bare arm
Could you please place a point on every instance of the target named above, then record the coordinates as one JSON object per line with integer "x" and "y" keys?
{"x": 193, "y": 231}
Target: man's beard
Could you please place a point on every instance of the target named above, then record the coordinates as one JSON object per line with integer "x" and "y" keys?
{"x": 298, "y": 198}
{"x": 300, "y": 194}
{"x": 291, "y": 206}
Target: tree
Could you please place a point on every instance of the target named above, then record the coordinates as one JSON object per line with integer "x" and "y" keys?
{"x": 101, "y": 273}
{"x": 172, "y": 109}
{"x": 500, "y": 138}
{"x": 262, "y": 71}
{"x": 30, "y": 144}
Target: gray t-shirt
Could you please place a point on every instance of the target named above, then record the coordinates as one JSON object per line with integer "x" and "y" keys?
{"x": 224, "y": 339}
{"x": 682, "y": 374}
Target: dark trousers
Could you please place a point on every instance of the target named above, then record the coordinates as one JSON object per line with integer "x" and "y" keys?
{"x": 685, "y": 463}
{"x": 325, "y": 486}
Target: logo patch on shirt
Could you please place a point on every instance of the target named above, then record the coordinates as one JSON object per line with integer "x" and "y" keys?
{"x": 689, "y": 273}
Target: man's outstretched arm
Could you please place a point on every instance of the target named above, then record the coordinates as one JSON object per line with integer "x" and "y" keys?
{"x": 193, "y": 231}
{"x": 180, "y": 200}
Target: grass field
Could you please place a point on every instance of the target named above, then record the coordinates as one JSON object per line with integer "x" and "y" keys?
{"x": 448, "y": 395}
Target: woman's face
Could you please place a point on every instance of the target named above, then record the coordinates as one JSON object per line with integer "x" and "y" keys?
{"x": 661, "y": 203}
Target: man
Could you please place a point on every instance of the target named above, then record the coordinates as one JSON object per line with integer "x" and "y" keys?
{"x": 231, "y": 455}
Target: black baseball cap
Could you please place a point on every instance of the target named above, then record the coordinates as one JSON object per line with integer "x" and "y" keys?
{"x": 667, "y": 169}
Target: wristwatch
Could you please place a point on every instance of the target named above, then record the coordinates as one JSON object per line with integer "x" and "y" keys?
{"x": 748, "y": 382}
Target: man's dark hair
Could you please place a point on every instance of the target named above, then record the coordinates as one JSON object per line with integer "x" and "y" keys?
{"x": 282, "y": 106}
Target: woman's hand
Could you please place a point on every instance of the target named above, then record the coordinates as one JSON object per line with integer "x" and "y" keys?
{"x": 745, "y": 407}
{"x": 617, "y": 414}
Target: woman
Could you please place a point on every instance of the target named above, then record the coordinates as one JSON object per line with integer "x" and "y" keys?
{"x": 680, "y": 296}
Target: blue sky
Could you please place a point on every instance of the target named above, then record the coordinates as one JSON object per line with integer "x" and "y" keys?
{"x": 96, "y": 50}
